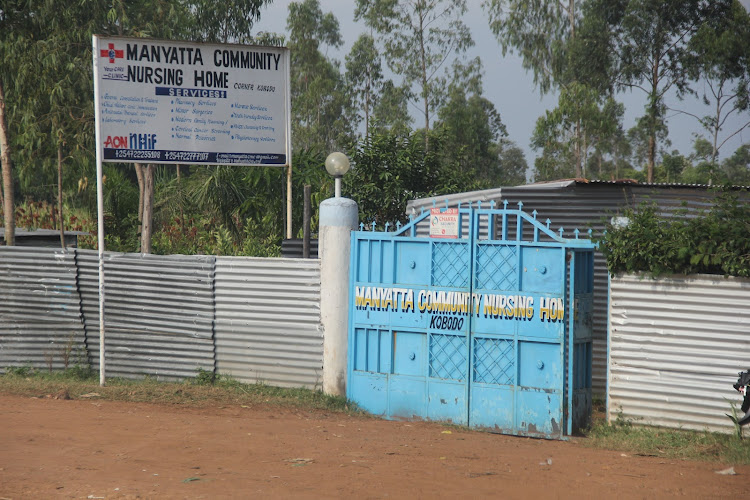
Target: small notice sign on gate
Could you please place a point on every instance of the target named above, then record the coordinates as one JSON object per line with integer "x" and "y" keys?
{"x": 444, "y": 223}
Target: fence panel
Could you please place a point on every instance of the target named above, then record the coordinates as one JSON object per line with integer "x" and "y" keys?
{"x": 159, "y": 313}
{"x": 40, "y": 314}
{"x": 268, "y": 321}
{"x": 676, "y": 345}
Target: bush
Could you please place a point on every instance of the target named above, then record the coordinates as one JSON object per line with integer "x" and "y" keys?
{"x": 715, "y": 241}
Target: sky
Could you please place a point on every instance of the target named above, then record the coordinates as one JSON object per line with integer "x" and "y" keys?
{"x": 511, "y": 88}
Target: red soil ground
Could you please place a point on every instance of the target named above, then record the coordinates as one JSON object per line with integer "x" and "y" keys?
{"x": 98, "y": 449}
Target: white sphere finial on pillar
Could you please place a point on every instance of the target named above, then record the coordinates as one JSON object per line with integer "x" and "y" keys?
{"x": 337, "y": 164}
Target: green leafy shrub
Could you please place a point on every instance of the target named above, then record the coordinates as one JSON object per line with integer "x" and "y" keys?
{"x": 715, "y": 241}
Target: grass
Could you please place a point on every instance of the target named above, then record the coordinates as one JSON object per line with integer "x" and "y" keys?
{"x": 208, "y": 390}
{"x": 204, "y": 390}
{"x": 627, "y": 436}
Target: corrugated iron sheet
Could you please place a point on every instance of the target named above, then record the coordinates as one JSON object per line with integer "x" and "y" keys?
{"x": 40, "y": 315}
{"x": 268, "y": 321}
{"x": 676, "y": 345}
{"x": 159, "y": 313}
{"x": 574, "y": 205}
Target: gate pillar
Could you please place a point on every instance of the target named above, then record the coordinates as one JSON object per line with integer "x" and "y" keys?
{"x": 338, "y": 217}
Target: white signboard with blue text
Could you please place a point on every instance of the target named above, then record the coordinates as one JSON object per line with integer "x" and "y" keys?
{"x": 163, "y": 101}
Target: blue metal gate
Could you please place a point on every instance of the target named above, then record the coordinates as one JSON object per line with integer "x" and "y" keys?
{"x": 476, "y": 316}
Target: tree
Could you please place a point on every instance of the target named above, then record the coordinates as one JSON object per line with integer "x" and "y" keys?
{"x": 15, "y": 28}
{"x": 364, "y": 76}
{"x": 318, "y": 97}
{"x": 736, "y": 168}
{"x": 228, "y": 21}
{"x": 720, "y": 56}
{"x": 389, "y": 169}
{"x": 650, "y": 42}
{"x": 584, "y": 121}
{"x": 391, "y": 110}
{"x": 539, "y": 31}
{"x": 563, "y": 50}
{"x": 473, "y": 135}
{"x": 419, "y": 37}
{"x": 7, "y": 169}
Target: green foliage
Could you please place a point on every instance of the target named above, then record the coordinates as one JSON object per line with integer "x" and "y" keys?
{"x": 712, "y": 242}
{"x": 389, "y": 169}
{"x": 364, "y": 77}
{"x": 319, "y": 100}
{"x": 473, "y": 130}
{"x": 205, "y": 377}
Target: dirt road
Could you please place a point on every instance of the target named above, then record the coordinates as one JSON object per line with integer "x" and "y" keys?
{"x": 97, "y": 449}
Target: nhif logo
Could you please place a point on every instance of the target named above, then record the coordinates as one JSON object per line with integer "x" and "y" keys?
{"x": 112, "y": 53}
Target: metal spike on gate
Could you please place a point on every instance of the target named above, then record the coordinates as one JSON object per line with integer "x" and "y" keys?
{"x": 591, "y": 233}
{"x": 411, "y": 217}
{"x": 520, "y": 205}
{"x": 446, "y": 203}
{"x": 361, "y": 226}
{"x": 533, "y": 214}
{"x": 398, "y": 225}
{"x": 479, "y": 204}
{"x": 548, "y": 223}
{"x": 387, "y": 224}
{"x": 434, "y": 203}
{"x": 505, "y": 204}
{"x": 492, "y": 204}
{"x": 561, "y": 230}
{"x": 373, "y": 226}
{"x": 459, "y": 205}
{"x": 576, "y": 232}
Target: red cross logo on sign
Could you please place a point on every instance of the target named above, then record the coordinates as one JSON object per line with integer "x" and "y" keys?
{"x": 112, "y": 53}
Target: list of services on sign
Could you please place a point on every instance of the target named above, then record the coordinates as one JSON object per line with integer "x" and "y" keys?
{"x": 176, "y": 102}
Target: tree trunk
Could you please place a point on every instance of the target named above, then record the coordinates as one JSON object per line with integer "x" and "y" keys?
{"x": 60, "y": 194}
{"x": 8, "y": 204}
{"x": 651, "y": 157}
{"x": 577, "y": 148}
{"x": 425, "y": 85}
{"x": 653, "y": 111}
{"x": 148, "y": 208}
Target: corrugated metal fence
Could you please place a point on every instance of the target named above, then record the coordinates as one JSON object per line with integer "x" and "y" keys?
{"x": 166, "y": 316}
{"x": 268, "y": 321}
{"x": 676, "y": 345}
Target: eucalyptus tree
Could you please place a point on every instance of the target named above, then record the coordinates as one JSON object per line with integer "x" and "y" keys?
{"x": 391, "y": 110}
{"x": 364, "y": 76}
{"x": 419, "y": 38}
{"x": 720, "y": 57}
{"x": 14, "y": 26}
{"x": 45, "y": 51}
{"x": 476, "y": 138}
{"x": 558, "y": 44}
{"x": 226, "y": 21}
{"x": 650, "y": 46}
{"x": 319, "y": 99}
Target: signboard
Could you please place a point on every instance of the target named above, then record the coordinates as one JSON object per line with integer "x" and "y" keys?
{"x": 444, "y": 222}
{"x": 177, "y": 102}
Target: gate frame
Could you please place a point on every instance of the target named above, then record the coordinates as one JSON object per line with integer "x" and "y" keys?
{"x": 576, "y": 366}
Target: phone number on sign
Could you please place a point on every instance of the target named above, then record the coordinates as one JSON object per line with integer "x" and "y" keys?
{"x": 185, "y": 156}
{"x": 136, "y": 154}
